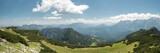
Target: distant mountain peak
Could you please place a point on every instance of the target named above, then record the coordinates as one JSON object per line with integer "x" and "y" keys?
{"x": 68, "y": 35}
{"x": 154, "y": 30}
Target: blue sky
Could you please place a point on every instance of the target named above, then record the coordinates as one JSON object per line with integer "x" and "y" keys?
{"x": 19, "y": 12}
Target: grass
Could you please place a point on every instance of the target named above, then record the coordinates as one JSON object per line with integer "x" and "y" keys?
{"x": 33, "y": 47}
{"x": 116, "y": 48}
{"x": 93, "y": 44}
{"x": 19, "y": 47}
{"x": 12, "y": 32}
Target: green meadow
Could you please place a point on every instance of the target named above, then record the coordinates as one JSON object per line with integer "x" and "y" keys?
{"x": 116, "y": 48}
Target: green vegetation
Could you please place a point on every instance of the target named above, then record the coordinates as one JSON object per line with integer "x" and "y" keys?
{"x": 15, "y": 35}
{"x": 35, "y": 36}
{"x": 74, "y": 37}
{"x": 13, "y": 38}
{"x": 31, "y": 34}
{"x": 116, "y": 48}
{"x": 147, "y": 38}
{"x": 12, "y": 28}
{"x": 68, "y": 35}
{"x": 9, "y": 47}
{"x": 31, "y": 41}
{"x": 46, "y": 49}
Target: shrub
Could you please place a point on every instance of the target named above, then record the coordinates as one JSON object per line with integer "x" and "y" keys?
{"x": 13, "y": 38}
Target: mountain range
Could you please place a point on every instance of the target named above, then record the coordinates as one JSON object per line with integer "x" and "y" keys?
{"x": 109, "y": 33}
{"x": 13, "y": 40}
{"x": 68, "y": 35}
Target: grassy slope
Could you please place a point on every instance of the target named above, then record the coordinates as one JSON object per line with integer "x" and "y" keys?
{"x": 149, "y": 40}
{"x": 19, "y": 47}
{"x": 12, "y": 32}
{"x": 9, "y": 47}
{"x": 116, "y": 48}
{"x": 35, "y": 47}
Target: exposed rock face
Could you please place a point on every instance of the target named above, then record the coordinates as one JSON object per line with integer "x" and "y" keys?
{"x": 2, "y": 29}
{"x": 8, "y": 47}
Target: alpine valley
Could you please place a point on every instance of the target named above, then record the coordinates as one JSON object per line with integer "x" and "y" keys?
{"x": 141, "y": 37}
{"x": 79, "y": 26}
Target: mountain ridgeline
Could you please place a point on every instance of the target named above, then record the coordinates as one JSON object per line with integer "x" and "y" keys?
{"x": 32, "y": 41}
{"x": 15, "y": 40}
{"x": 112, "y": 33}
{"x": 149, "y": 40}
{"x": 68, "y": 35}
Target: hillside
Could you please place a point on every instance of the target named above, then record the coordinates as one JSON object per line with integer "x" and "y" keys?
{"x": 111, "y": 33}
{"x": 32, "y": 41}
{"x": 69, "y": 35}
{"x": 13, "y": 40}
{"x": 119, "y": 47}
{"x": 117, "y": 31}
{"x": 149, "y": 40}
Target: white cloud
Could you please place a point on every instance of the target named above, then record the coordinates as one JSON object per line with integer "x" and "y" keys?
{"x": 61, "y": 6}
{"x": 109, "y": 21}
{"x": 55, "y": 13}
{"x": 55, "y": 18}
{"x": 118, "y": 18}
{"x": 88, "y": 21}
{"x": 133, "y": 16}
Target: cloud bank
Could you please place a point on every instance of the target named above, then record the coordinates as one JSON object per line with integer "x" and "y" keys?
{"x": 109, "y": 21}
{"x": 61, "y": 6}
{"x": 115, "y": 19}
{"x": 133, "y": 16}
